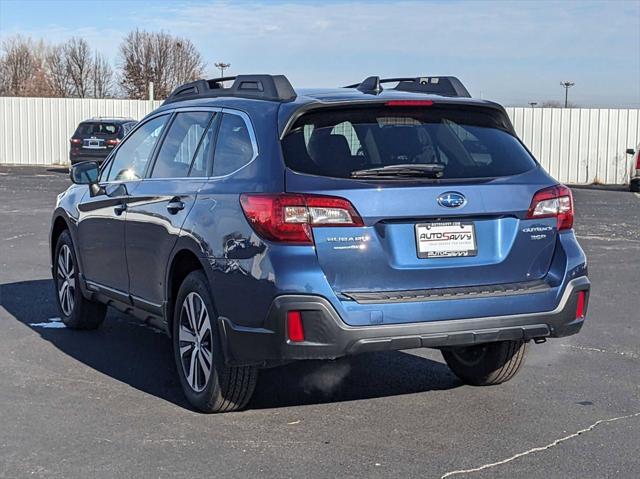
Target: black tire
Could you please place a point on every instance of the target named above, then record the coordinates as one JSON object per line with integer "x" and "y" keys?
{"x": 76, "y": 311}
{"x": 634, "y": 186}
{"x": 226, "y": 388}
{"x": 486, "y": 364}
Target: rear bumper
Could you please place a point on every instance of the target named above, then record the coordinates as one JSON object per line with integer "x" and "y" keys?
{"x": 73, "y": 159}
{"x": 328, "y": 337}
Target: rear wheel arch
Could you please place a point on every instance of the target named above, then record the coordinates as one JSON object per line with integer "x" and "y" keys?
{"x": 182, "y": 264}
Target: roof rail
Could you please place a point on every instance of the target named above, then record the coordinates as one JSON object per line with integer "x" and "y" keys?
{"x": 443, "y": 86}
{"x": 109, "y": 117}
{"x": 258, "y": 87}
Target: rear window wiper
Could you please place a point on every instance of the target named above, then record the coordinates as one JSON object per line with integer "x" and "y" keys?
{"x": 428, "y": 170}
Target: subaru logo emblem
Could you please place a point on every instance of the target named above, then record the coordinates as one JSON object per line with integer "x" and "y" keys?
{"x": 451, "y": 199}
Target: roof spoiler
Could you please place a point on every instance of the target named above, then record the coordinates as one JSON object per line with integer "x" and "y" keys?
{"x": 257, "y": 87}
{"x": 443, "y": 86}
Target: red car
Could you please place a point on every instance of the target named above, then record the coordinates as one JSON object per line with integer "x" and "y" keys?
{"x": 634, "y": 170}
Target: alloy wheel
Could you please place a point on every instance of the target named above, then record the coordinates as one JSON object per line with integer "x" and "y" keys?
{"x": 66, "y": 280}
{"x": 195, "y": 342}
{"x": 471, "y": 355}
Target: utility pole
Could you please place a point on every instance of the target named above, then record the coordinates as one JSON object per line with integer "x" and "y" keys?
{"x": 566, "y": 85}
{"x": 222, "y": 66}
{"x": 533, "y": 104}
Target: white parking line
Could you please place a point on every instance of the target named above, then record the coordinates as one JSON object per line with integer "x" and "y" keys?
{"x": 637, "y": 194}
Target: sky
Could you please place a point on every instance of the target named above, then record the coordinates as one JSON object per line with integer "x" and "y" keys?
{"x": 512, "y": 52}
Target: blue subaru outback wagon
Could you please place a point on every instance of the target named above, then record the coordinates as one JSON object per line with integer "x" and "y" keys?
{"x": 261, "y": 225}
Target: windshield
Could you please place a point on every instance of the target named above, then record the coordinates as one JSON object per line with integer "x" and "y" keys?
{"x": 452, "y": 142}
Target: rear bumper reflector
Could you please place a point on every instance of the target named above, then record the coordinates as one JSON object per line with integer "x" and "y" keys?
{"x": 295, "y": 329}
{"x": 580, "y": 306}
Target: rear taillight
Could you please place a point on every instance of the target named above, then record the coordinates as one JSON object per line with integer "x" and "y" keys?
{"x": 556, "y": 201}
{"x": 638, "y": 159}
{"x": 112, "y": 142}
{"x": 289, "y": 218}
{"x": 75, "y": 141}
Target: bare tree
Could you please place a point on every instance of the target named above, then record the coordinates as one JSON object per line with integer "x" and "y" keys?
{"x": 73, "y": 70}
{"x": 101, "y": 77}
{"x": 79, "y": 66}
{"x": 187, "y": 62}
{"x": 135, "y": 58}
{"x": 17, "y": 65}
{"x": 22, "y": 68}
{"x": 160, "y": 58}
{"x": 57, "y": 70}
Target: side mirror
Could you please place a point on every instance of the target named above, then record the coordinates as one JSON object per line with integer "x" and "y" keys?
{"x": 87, "y": 173}
{"x": 631, "y": 151}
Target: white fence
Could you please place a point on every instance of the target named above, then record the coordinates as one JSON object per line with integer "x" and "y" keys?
{"x": 36, "y": 131}
{"x": 580, "y": 145}
{"x": 575, "y": 145}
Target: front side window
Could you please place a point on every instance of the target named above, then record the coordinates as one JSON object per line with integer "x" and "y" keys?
{"x": 234, "y": 148}
{"x": 456, "y": 142}
{"x": 131, "y": 159}
{"x": 180, "y": 144}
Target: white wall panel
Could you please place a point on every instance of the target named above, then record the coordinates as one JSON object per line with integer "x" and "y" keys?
{"x": 580, "y": 145}
{"x": 36, "y": 131}
{"x": 577, "y": 145}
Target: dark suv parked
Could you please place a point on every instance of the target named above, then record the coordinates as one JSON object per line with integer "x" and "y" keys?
{"x": 94, "y": 139}
{"x": 261, "y": 225}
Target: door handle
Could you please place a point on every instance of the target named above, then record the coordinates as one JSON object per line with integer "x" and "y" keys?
{"x": 175, "y": 205}
{"x": 121, "y": 208}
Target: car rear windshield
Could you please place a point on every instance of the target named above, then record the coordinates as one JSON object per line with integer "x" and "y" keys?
{"x": 97, "y": 129}
{"x": 469, "y": 142}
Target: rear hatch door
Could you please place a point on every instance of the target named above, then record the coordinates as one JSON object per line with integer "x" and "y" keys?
{"x": 463, "y": 226}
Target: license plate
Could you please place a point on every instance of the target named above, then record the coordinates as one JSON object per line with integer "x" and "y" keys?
{"x": 446, "y": 240}
{"x": 93, "y": 144}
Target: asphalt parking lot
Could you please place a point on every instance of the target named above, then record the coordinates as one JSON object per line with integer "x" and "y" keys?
{"x": 107, "y": 403}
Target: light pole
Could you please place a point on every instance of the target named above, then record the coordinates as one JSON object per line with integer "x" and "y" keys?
{"x": 222, "y": 66}
{"x": 566, "y": 85}
{"x": 533, "y": 104}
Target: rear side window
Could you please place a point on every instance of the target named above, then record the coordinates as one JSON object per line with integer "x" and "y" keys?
{"x": 180, "y": 144}
{"x": 234, "y": 148}
{"x": 465, "y": 142}
{"x": 97, "y": 129}
{"x": 204, "y": 155}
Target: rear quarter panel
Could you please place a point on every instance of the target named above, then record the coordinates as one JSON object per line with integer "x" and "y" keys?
{"x": 238, "y": 263}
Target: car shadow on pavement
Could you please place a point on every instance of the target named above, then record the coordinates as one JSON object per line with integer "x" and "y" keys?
{"x": 123, "y": 348}
{"x": 363, "y": 376}
{"x": 136, "y": 354}
{"x": 59, "y": 169}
